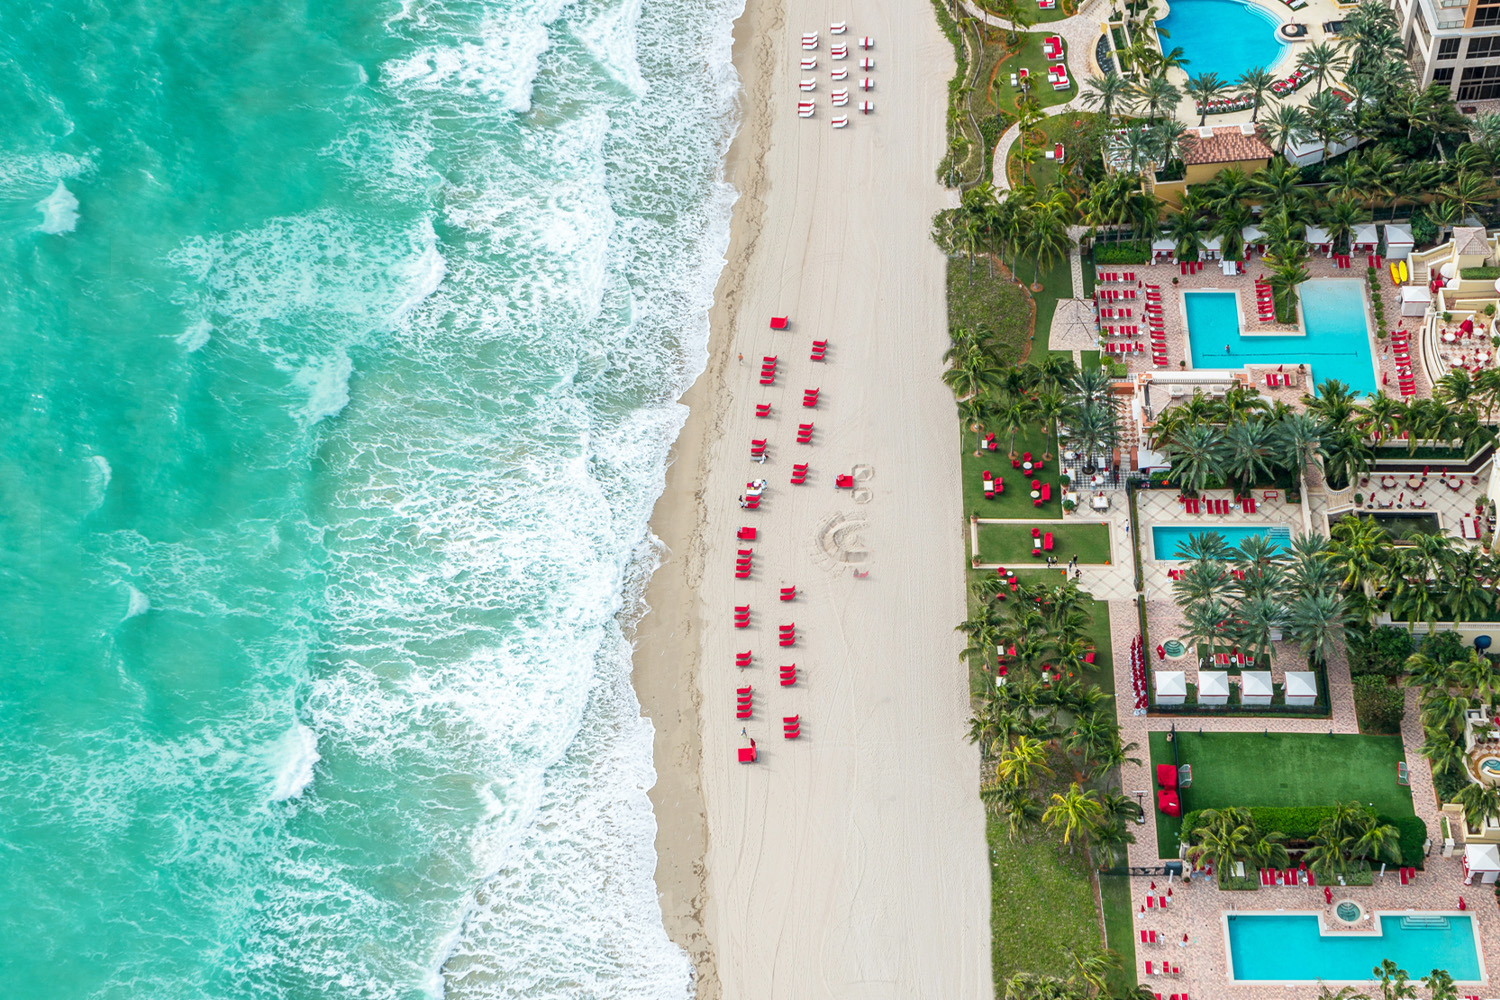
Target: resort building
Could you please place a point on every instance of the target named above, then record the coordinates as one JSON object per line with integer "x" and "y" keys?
{"x": 1208, "y": 150}
{"x": 1455, "y": 43}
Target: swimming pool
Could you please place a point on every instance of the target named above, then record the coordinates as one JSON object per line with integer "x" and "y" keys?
{"x": 1166, "y": 539}
{"x": 1222, "y": 36}
{"x": 1336, "y": 345}
{"x": 1285, "y": 948}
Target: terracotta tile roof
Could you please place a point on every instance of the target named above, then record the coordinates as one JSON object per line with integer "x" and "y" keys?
{"x": 1227, "y": 144}
{"x": 1470, "y": 240}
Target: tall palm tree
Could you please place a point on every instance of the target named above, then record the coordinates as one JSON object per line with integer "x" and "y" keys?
{"x": 1187, "y": 228}
{"x": 1015, "y": 13}
{"x": 1324, "y": 61}
{"x": 1154, "y": 95}
{"x": 1076, "y": 812}
{"x": 972, "y": 374}
{"x": 1107, "y": 93}
{"x": 1287, "y": 263}
{"x": 1197, "y": 453}
{"x": 1302, "y": 435}
{"x": 1204, "y": 88}
{"x": 1288, "y": 124}
{"x": 1340, "y": 216}
{"x": 1256, "y": 83}
{"x": 1315, "y": 621}
{"x": 1251, "y": 450}
{"x": 1481, "y": 804}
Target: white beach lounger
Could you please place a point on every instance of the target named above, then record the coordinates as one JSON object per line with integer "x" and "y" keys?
{"x": 839, "y": 122}
{"x": 805, "y": 110}
{"x": 838, "y": 51}
{"x": 808, "y": 84}
{"x": 808, "y": 64}
{"x": 840, "y": 98}
{"x": 842, "y": 73}
{"x": 867, "y": 63}
{"x": 838, "y": 27}
{"x": 866, "y": 83}
{"x": 867, "y": 42}
{"x": 810, "y": 41}
{"x": 865, "y": 107}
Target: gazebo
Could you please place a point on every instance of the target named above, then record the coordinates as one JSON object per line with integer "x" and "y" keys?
{"x": 1301, "y": 688}
{"x": 1319, "y": 240}
{"x": 1254, "y": 237}
{"x": 1255, "y": 687}
{"x": 1415, "y": 299}
{"x": 1213, "y": 248}
{"x": 1398, "y": 242}
{"x": 1171, "y": 687}
{"x": 1482, "y": 860}
{"x": 1365, "y": 239}
{"x": 1213, "y": 687}
{"x": 1163, "y": 249}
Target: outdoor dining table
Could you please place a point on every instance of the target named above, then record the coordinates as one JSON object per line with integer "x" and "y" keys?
{"x": 1389, "y": 482}
{"x": 1414, "y": 483}
{"x": 1449, "y": 338}
{"x": 1026, "y": 466}
{"x": 1454, "y": 483}
{"x": 1035, "y": 494}
{"x": 1100, "y": 503}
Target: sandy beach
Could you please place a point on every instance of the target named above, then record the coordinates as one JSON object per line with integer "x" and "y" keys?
{"x": 849, "y": 862}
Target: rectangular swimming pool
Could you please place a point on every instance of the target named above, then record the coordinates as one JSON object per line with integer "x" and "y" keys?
{"x": 1167, "y": 538}
{"x": 1285, "y": 948}
{"x": 1337, "y": 344}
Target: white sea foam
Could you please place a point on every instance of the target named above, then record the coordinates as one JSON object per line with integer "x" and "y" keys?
{"x": 99, "y": 476}
{"x": 295, "y": 756}
{"x": 196, "y": 335}
{"x": 59, "y": 211}
{"x": 136, "y": 603}
{"x": 326, "y": 382}
{"x": 499, "y": 67}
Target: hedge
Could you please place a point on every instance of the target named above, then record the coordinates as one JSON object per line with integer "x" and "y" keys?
{"x": 1299, "y": 823}
{"x": 1479, "y": 273}
{"x": 1378, "y": 706}
{"x": 1382, "y": 651}
{"x": 1121, "y": 253}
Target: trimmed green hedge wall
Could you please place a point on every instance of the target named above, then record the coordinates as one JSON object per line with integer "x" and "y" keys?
{"x": 1299, "y": 823}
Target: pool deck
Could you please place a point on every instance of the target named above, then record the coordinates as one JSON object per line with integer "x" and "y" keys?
{"x": 1212, "y": 279}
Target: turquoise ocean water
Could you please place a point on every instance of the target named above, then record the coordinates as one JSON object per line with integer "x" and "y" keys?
{"x": 339, "y": 346}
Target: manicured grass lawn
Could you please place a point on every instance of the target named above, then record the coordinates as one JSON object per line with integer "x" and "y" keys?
{"x": 1095, "y": 630}
{"x": 989, "y": 299}
{"x": 1043, "y": 172}
{"x": 1288, "y": 769}
{"x": 1041, "y": 904}
{"x": 1011, "y": 543}
{"x": 1056, "y": 284}
{"x": 999, "y": 95}
{"x": 1015, "y": 501}
{"x": 1119, "y": 928}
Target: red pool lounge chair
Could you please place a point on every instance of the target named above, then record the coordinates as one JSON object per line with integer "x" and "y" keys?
{"x": 778, "y": 322}
{"x": 1149, "y": 972}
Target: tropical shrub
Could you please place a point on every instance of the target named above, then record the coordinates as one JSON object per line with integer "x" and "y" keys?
{"x": 1442, "y": 647}
{"x": 1381, "y": 651}
{"x": 1378, "y": 705}
{"x": 1122, "y": 253}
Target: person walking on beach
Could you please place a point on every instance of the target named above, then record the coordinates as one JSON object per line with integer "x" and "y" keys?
{"x": 742, "y": 359}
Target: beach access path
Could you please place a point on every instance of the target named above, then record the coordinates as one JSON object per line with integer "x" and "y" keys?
{"x": 850, "y": 862}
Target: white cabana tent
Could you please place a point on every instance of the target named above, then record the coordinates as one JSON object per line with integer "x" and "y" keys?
{"x": 1301, "y": 688}
{"x": 1254, "y": 237}
{"x": 1213, "y": 687}
{"x": 1415, "y": 299}
{"x": 1163, "y": 249}
{"x": 1171, "y": 687}
{"x": 1319, "y": 240}
{"x": 1255, "y": 687}
{"x": 1365, "y": 239}
{"x": 1213, "y": 247}
{"x": 1397, "y": 242}
{"x": 1481, "y": 861}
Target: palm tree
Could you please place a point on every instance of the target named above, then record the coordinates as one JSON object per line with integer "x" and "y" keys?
{"x": 1315, "y": 621}
{"x": 1329, "y": 117}
{"x": 972, "y": 375}
{"x": 1379, "y": 841}
{"x": 1197, "y": 453}
{"x": 1153, "y": 95}
{"x": 1303, "y": 436}
{"x": 1204, "y": 88}
{"x": 1022, "y": 761}
{"x": 1287, "y": 264}
{"x": 1257, "y": 84}
{"x": 1340, "y": 217}
{"x": 1250, "y": 452}
{"x": 1076, "y": 812}
{"x": 1107, "y": 93}
{"x": 1046, "y": 241}
{"x": 1013, "y": 415}
{"x": 1479, "y": 802}
{"x": 1288, "y": 124}
{"x": 1445, "y": 213}
{"x": 1468, "y": 191}
{"x": 1323, "y": 61}
{"x": 1015, "y": 13}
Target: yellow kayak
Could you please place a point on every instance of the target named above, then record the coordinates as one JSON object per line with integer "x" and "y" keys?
{"x": 1405, "y": 274}
{"x": 1396, "y": 271}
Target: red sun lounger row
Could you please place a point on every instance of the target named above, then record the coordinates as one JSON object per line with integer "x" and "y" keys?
{"x": 742, "y": 616}
{"x": 799, "y": 474}
{"x": 743, "y": 659}
{"x": 788, "y": 674}
{"x": 788, "y": 593}
{"x": 762, "y": 409}
{"x": 757, "y": 447}
{"x": 791, "y": 726}
{"x": 804, "y": 433}
{"x": 810, "y": 398}
{"x": 788, "y": 635}
{"x": 743, "y": 703}
{"x": 819, "y": 348}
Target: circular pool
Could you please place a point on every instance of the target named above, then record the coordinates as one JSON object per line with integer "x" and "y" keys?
{"x": 1173, "y": 648}
{"x": 1490, "y": 767}
{"x": 1226, "y": 37}
{"x": 1348, "y": 911}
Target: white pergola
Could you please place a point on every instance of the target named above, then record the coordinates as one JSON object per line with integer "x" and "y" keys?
{"x": 1171, "y": 687}
{"x": 1213, "y": 687}
{"x": 1301, "y": 688}
{"x": 1255, "y": 687}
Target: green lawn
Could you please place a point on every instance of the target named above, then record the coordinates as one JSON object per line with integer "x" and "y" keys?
{"x": 1011, "y": 543}
{"x": 1042, "y": 172}
{"x": 1119, "y": 928}
{"x": 989, "y": 299}
{"x": 1015, "y": 501}
{"x": 1096, "y": 630}
{"x": 1041, "y": 903}
{"x": 1288, "y": 769}
{"x": 1056, "y": 284}
{"x": 996, "y": 93}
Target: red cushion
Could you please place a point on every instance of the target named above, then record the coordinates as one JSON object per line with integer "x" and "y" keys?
{"x": 1166, "y": 775}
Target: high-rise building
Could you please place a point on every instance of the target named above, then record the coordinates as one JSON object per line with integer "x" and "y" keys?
{"x": 1455, "y": 43}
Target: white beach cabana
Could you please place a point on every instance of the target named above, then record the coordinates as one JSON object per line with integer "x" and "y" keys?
{"x": 1481, "y": 862}
{"x": 1254, "y": 237}
{"x": 1255, "y": 687}
{"x": 1171, "y": 687}
{"x": 1213, "y": 248}
{"x": 1301, "y": 688}
{"x": 1213, "y": 687}
{"x": 1163, "y": 249}
{"x": 1397, "y": 242}
{"x": 1365, "y": 239}
{"x": 1415, "y": 299}
{"x": 1319, "y": 240}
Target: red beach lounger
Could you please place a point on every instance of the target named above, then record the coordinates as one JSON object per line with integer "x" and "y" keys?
{"x": 778, "y": 322}
{"x": 788, "y": 675}
{"x": 788, "y": 593}
{"x": 742, "y": 659}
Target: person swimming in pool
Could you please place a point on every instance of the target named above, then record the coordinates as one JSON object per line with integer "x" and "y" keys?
{"x": 1226, "y": 348}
